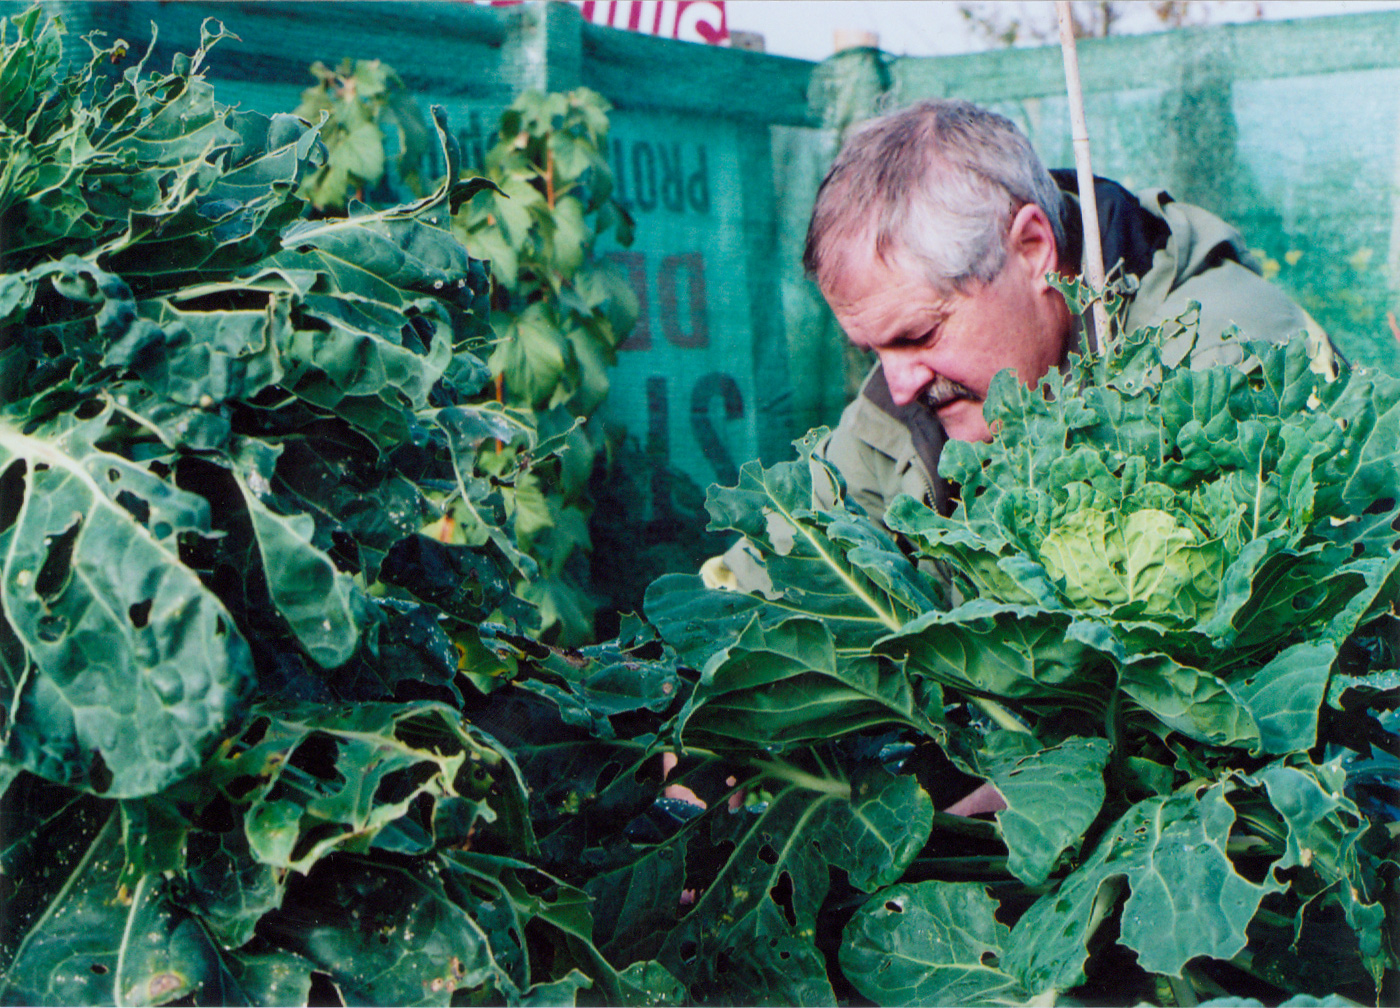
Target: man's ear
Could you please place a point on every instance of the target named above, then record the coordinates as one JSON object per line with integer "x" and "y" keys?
{"x": 1032, "y": 240}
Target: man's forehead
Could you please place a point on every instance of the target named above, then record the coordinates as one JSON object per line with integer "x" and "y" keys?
{"x": 859, "y": 271}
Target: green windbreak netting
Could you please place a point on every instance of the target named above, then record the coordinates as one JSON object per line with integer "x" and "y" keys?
{"x": 1288, "y": 130}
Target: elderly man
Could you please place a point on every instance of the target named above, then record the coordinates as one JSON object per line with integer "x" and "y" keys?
{"x": 933, "y": 239}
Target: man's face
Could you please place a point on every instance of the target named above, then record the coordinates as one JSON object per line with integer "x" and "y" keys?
{"x": 944, "y": 349}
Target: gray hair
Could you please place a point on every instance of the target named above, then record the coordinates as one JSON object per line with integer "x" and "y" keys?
{"x": 938, "y": 183}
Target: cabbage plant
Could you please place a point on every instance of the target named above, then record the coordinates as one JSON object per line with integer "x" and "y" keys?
{"x": 1160, "y": 618}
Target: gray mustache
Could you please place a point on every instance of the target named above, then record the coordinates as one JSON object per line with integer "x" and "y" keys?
{"x": 944, "y": 389}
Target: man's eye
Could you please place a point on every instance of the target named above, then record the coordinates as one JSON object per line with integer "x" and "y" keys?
{"x": 917, "y": 341}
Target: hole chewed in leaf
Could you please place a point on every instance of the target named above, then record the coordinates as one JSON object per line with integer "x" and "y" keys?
{"x": 99, "y": 775}
{"x": 398, "y": 785}
{"x": 51, "y": 628}
{"x": 11, "y": 493}
{"x": 140, "y": 613}
{"x": 53, "y": 575}
{"x": 781, "y": 894}
{"x": 134, "y": 506}
{"x": 607, "y": 775}
{"x": 316, "y": 835}
{"x": 316, "y": 756}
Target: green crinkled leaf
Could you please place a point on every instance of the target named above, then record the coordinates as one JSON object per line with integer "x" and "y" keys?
{"x": 318, "y": 601}
{"x": 1148, "y": 559}
{"x": 422, "y": 931}
{"x": 860, "y": 594}
{"x": 1018, "y": 652}
{"x": 789, "y": 684}
{"x": 133, "y": 667}
{"x": 212, "y": 356}
{"x": 1245, "y": 480}
{"x": 1052, "y": 797}
{"x": 763, "y": 899}
{"x": 397, "y": 777}
{"x": 929, "y": 943}
{"x": 1186, "y": 898}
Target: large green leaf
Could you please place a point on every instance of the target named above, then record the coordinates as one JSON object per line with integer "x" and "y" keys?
{"x": 46, "y": 831}
{"x": 133, "y": 667}
{"x": 420, "y": 931}
{"x": 1052, "y": 797}
{"x": 398, "y": 777}
{"x": 317, "y": 600}
{"x": 790, "y": 684}
{"x": 749, "y": 935}
{"x": 1187, "y": 900}
{"x": 1010, "y": 651}
{"x": 930, "y": 943}
{"x": 99, "y": 943}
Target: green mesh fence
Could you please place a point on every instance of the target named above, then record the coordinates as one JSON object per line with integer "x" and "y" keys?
{"x": 1287, "y": 129}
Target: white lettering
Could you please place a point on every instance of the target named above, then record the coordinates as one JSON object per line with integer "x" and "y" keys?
{"x": 666, "y": 21}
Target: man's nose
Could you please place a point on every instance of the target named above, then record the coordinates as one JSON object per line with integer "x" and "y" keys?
{"x": 906, "y": 378}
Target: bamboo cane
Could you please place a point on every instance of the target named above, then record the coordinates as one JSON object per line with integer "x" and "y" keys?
{"x": 1088, "y": 206}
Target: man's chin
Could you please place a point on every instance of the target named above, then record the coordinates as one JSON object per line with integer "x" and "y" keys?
{"x": 962, "y": 420}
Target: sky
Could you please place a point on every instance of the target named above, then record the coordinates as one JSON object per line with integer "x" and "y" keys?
{"x": 805, "y": 28}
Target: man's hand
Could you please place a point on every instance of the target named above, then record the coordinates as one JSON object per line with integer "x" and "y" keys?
{"x": 985, "y": 799}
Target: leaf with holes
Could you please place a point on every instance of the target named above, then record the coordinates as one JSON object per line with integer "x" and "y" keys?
{"x": 930, "y": 943}
{"x": 132, "y": 667}
{"x": 761, "y": 874}
{"x": 98, "y": 943}
{"x": 396, "y": 777}
{"x": 1186, "y": 899}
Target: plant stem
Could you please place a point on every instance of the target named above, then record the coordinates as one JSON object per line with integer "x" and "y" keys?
{"x": 1001, "y": 715}
{"x": 979, "y": 828}
{"x": 1184, "y": 993}
{"x": 801, "y": 778}
{"x": 963, "y": 867}
{"x": 1113, "y": 728}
